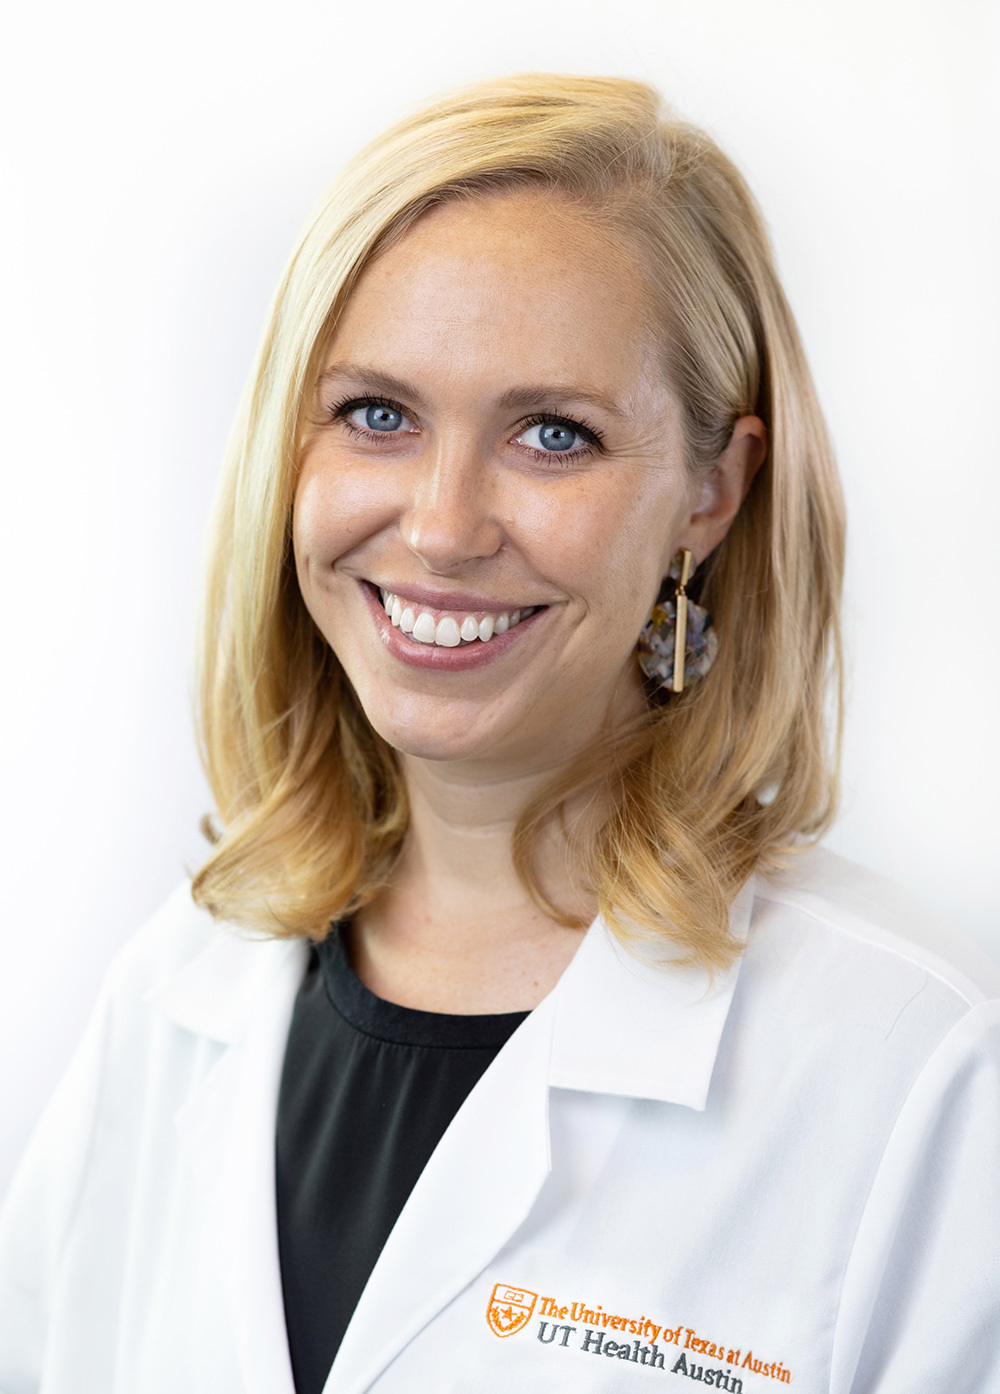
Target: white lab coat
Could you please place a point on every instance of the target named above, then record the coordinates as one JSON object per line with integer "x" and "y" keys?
{"x": 792, "y": 1176}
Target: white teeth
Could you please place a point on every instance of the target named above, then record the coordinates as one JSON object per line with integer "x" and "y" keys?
{"x": 447, "y": 634}
{"x": 425, "y": 629}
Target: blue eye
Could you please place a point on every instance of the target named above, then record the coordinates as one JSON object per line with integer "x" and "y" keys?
{"x": 553, "y": 437}
{"x": 368, "y": 416}
{"x": 379, "y": 418}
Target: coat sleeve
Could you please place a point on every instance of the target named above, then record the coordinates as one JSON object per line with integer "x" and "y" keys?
{"x": 37, "y": 1215}
{"x": 920, "y": 1306}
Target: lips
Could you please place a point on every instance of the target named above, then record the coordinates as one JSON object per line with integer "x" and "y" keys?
{"x": 468, "y": 655}
{"x": 449, "y": 628}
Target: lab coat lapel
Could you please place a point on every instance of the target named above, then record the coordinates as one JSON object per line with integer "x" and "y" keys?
{"x": 478, "y": 1187}
{"x": 622, "y": 1023}
{"x": 228, "y": 1129}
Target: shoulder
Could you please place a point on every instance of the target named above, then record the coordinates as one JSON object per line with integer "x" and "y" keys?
{"x": 854, "y": 965}
{"x": 175, "y": 935}
{"x": 175, "y": 932}
{"x": 866, "y": 919}
{"x": 204, "y": 975}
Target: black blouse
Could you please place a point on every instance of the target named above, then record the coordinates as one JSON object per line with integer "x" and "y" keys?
{"x": 367, "y": 1090}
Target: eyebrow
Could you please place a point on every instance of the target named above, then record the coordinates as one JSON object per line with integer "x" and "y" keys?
{"x": 514, "y": 399}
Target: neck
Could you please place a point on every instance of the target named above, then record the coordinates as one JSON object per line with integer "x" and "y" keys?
{"x": 456, "y": 929}
{"x": 458, "y": 850}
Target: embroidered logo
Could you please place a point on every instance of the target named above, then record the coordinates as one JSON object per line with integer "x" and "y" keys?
{"x": 573, "y": 1326}
{"x": 509, "y": 1309}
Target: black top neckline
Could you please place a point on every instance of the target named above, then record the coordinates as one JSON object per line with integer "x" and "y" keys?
{"x": 407, "y": 1026}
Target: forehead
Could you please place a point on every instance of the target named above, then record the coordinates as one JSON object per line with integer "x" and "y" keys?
{"x": 503, "y": 285}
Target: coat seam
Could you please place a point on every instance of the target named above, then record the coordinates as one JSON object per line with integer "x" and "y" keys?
{"x": 895, "y": 950}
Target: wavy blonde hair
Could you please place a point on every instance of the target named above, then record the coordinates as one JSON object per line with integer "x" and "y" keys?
{"x": 735, "y": 771}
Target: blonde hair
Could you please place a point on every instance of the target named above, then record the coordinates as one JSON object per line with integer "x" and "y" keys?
{"x": 733, "y": 772}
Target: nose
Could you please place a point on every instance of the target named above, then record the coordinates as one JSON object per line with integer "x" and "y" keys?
{"x": 451, "y": 518}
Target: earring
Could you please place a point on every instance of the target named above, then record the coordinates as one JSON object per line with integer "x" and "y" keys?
{"x": 678, "y": 642}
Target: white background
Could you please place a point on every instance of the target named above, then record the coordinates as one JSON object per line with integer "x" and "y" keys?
{"x": 164, "y": 158}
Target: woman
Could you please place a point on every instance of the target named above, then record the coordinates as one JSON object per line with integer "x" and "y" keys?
{"x": 513, "y": 1037}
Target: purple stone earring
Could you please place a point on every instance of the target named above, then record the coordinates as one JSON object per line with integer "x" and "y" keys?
{"x": 678, "y": 643}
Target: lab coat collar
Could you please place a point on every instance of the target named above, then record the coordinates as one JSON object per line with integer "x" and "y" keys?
{"x": 217, "y": 993}
{"x": 624, "y": 1021}
{"x": 632, "y": 1022}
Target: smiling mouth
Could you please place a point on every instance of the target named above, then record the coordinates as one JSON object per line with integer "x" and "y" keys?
{"x": 449, "y": 629}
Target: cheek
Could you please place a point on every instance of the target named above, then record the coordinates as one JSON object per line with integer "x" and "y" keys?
{"x": 611, "y": 546}
{"x": 335, "y": 509}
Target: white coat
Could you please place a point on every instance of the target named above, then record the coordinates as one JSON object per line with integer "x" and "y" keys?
{"x": 790, "y": 1177}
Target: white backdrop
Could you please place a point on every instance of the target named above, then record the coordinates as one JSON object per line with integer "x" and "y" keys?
{"x": 163, "y": 160}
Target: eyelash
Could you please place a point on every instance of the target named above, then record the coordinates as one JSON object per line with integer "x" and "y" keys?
{"x": 592, "y": 436}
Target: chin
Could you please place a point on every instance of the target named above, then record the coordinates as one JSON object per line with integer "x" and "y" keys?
{"x": 441, "y": 743}
{"x": 429, "y": 728}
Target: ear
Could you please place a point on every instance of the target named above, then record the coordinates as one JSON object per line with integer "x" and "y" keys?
{"x": 719, "y": 494}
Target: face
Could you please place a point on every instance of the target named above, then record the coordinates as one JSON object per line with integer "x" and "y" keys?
{"x": 495, "y": 459}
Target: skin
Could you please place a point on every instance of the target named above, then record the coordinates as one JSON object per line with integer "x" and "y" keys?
{"x": 481, "y": 300}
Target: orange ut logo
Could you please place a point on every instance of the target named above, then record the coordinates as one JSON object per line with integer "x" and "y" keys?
{"x": 509, "y": 1309}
